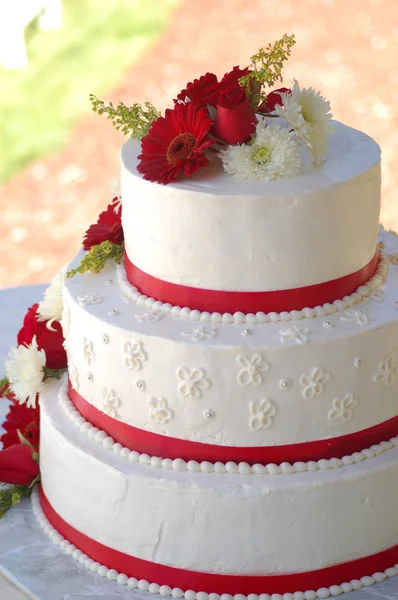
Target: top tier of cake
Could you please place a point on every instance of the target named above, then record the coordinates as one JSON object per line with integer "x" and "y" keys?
{"x": 213, "y": 232}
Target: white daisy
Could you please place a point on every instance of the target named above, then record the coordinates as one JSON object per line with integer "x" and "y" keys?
{"x": 51, "y": 307}
{"x": 24, "y": 369}
{"x": 273, "y": 153}
{"x": 308, "y": 114}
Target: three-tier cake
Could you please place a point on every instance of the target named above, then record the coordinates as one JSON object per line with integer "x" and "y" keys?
{"x": 227, "y": 426}
{"x": 222, "y": 447}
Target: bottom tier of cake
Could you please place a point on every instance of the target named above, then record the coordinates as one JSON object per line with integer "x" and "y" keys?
{"x": 218, "y": 532}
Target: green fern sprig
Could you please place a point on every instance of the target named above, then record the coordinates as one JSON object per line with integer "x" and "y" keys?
{"x": 266, "y": 68}
{"x": 134, "y": 121}
{"x": 97, "y": 256}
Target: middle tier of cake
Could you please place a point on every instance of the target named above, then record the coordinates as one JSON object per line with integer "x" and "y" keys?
{"x": 161, "y": 380}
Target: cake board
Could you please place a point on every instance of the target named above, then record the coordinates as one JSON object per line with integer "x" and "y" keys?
{"x": 40, "y": 569}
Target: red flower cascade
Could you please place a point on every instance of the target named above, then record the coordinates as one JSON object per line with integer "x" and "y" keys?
{"x": 17, "y": 465}
{"x": 175, "y": 144}
{"x": 49, "y": 341}
{"x": 23, "y": 419}
{"x": 107, "y": 228}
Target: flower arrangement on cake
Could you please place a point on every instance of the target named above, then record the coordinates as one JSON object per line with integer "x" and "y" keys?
{"x": 233, "y": 117}
{"x": 38, "y": 357}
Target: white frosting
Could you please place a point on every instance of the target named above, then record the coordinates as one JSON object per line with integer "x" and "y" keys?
{"x": 231, "y": 467}
{"x": 212, "y": 231}
{"x": 166, "y": 591}
{"x": 270, "y": 384}
{"x": 189, "y": 521}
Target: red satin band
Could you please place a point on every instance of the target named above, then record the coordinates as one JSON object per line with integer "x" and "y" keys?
{"x": 212, "y": 582}
{"x": 154, "y": 444}
{"x": 248, "y": 302}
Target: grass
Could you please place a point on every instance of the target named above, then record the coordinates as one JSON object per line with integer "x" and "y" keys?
{"x": 99, "y": 40}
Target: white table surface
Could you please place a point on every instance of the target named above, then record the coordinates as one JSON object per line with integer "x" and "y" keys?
{"x": 31, "y": 566}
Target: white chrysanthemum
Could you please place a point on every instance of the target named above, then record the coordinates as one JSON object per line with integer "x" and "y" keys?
{"x": 24, "y": 369}
{"x": 308, "y": 114}
{"x": 272, "y": 154}
{"x": 51, "y": 307}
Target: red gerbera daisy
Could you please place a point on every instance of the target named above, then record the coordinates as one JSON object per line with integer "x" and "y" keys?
{"x": 175, "y": 144}
{"x": 107, "y": 228}
{"x": 22, "y": 418}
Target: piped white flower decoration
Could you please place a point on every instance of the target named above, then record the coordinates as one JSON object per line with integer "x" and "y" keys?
{"x": 393, "y": 258}
{"x": 88, "y": 351}
{"x": 192, "y": 383}
{"x": 134, "y": 355}
{"x": 148, "y": 317}
{"x": 387, "y": 368}
{"x": 272, "y": 154}
{"x": 51, "y": 307}
{"x": 24, "y": 370}
{"x": 342, "y": 408}
{"x": 200, "y": 333}
{"x": 252, "y": 368}
{"x": 294, "y": 334}
{"x": 89, "y": 299}
{"x": 377, "y": 295}
{"x": 74, "y": 377}
{"x": 110, "y": 402}
{"x": 159, "y": 410}
{"x": 314, "y": 382}
{"x": 360, "y": 316}
{"x": 308, "y": 114}
{"x": 261, "y": 414}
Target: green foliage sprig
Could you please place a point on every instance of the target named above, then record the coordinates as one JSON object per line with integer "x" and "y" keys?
{"x": 4, "y": 387}
{"x": 266, "y": 68}
{"x": 10, "y": 495}
{"x": 134, "y": 121}
{"x": 97, "y": 256}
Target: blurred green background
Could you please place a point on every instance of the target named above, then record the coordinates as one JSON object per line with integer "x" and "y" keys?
{"x": 98, "y": 41}
{"x": 57, "y": 157}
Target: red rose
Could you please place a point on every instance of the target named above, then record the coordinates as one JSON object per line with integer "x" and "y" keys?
{"x": 107, "y": 228}
{"x": 235, "y": 121}
{"x": 272, "y": 99}
{"x": 17, "y": 465}
{"x": 47, "y": 340}
{"x": 231, "y": 79}
{"x": 207, "y": 89}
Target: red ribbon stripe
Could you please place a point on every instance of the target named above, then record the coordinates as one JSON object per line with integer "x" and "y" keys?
{"x": 248, "y": 302}
{"x": 213, "y": 582}
{"x": 146, "y": 442}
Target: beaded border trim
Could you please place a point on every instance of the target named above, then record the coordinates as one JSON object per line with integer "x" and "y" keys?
{"x": 131, "y": 294}
{"x": 167, "y": 591}
{"x": 233, "y": 468}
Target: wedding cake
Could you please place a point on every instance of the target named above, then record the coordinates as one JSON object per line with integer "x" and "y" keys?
{"x": 228, "y": 423}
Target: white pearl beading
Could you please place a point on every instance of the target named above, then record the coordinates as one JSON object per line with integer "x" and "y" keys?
{"x": 131, "y": 294}
{"x": 232, "y": 468}
{"x": 167, "y": 591}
